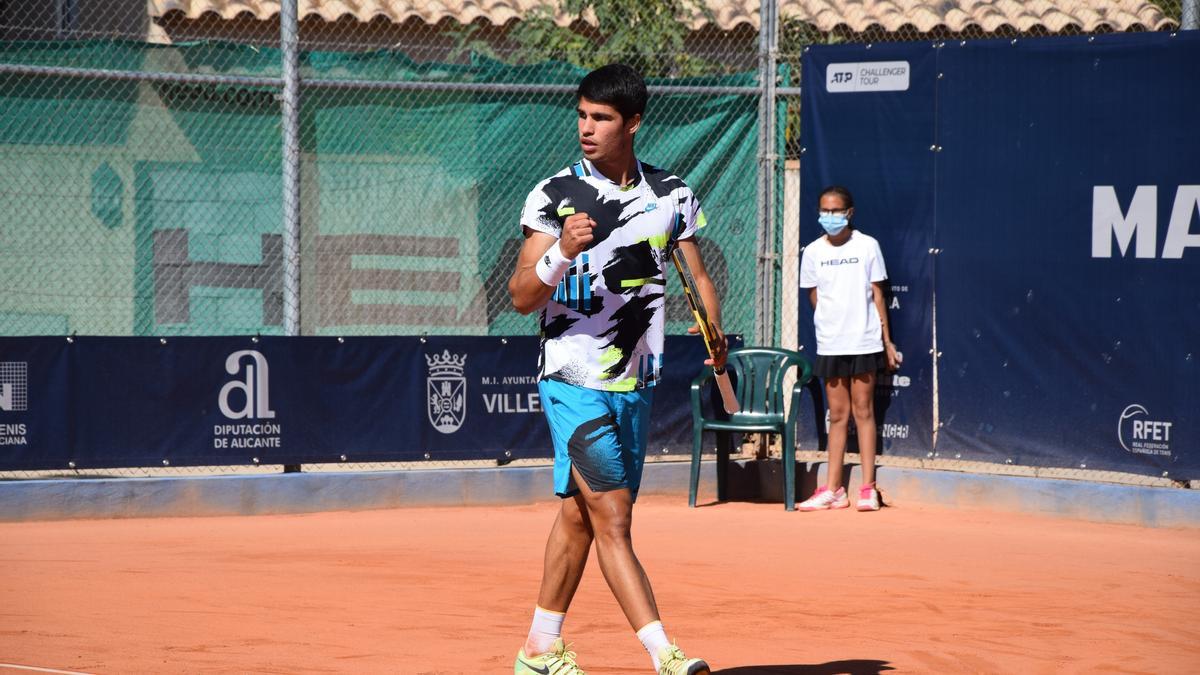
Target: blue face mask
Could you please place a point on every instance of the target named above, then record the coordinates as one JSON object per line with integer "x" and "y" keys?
{"x": 833, "y": 223}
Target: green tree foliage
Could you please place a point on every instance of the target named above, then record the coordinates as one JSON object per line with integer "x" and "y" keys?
{"x": 646, "y": 35}
{"x": 467, "y": 41}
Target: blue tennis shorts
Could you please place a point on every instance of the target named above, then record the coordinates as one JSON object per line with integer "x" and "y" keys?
{"x": 602, "y": 434}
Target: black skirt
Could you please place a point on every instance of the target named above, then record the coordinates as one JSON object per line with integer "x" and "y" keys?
{"x": 849, "y": 365}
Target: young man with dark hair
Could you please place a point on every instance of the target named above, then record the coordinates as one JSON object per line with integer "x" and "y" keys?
{"x": 597, "y": 241}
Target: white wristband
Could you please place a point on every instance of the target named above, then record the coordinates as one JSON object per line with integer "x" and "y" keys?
{"x": 552, "y": 266}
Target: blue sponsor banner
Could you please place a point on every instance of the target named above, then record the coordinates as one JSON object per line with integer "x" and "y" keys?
{"x": 1063, "y": 208}
{"x": 34, "y": 377}
{"x": 1068, "y": 292}
{"x": 868, "y": 125}
{"x": 101, "y": 402}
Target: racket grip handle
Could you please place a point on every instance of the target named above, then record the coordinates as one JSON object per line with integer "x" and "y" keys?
{"x": 728, "y": 398}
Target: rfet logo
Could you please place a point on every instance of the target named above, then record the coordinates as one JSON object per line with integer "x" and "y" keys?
{"x": 1139, "y": 434}
{"x": 254, "y": 385}
{"x": 446, "y": 389}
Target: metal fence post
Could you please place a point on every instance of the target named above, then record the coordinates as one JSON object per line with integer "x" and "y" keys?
{"x": 771, "y": 87}
{"x": 288, "y": 40}
{"x": 1191, "y": 15}
{"x": 764, "y": 324}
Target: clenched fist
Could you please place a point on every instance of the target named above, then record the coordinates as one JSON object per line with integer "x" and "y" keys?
{"x": 576, "y": 235}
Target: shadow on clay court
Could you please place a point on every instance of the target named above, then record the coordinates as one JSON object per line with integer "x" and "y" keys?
{"x": 848, "y": 667}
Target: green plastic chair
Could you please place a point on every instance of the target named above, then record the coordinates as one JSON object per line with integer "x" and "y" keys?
{"x": 759, "y": 372}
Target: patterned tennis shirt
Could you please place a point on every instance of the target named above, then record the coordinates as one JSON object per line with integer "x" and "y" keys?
{"x": 603, "y": 327}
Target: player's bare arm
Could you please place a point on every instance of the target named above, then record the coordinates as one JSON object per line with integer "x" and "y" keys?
{"x": 529, "y": 291}
{"x": 708, "y": 293}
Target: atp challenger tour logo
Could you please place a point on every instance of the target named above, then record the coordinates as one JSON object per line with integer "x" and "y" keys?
{"x": 247, "y": 397}
{"x": 447, "y": 391}
{"x": 1139, "y": 434}
{"x": 869, "y": 76}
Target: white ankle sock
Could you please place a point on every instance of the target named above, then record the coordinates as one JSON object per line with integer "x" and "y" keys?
{"x": 653, "y": 638}
{"x": 546, "y": 628}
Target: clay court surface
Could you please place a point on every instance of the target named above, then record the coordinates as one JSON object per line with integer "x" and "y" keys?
{"x": 753, "y": 589}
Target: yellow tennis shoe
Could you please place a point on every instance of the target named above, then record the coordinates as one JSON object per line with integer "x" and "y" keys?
{"x": 557, "y": 661}
{"x": 672, "y": 661}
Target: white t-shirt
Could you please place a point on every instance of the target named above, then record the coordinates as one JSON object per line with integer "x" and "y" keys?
{"x": 603, "y": 327}
{"x": 846, "y": 320}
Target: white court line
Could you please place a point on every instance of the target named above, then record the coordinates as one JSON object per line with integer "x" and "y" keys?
{"x": 40, "y": 670}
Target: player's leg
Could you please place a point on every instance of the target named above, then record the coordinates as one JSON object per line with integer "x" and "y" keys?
{"x": 567, "y": 550}
{"x": 611, "y": 515}
{"x": 862, "y": 396}
{"x": 565, "y": 556}
{"x": 608, "y": 471}
{"x": 832, "y": 495}
{"x": 607, "y": 450}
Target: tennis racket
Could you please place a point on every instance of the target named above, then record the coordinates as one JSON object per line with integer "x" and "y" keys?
{"x": 728, "y": 398}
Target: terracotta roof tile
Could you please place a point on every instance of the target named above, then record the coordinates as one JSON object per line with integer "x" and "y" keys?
{"x": 826, "y": 15}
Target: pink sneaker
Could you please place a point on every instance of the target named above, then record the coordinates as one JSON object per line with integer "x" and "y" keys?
{"x": 824, "y": 498}
{"x": 868, "y": 498}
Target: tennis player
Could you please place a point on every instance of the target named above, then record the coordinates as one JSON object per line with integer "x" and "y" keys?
{"x": 844, "y": 272}
{"x": 597, "y": 242}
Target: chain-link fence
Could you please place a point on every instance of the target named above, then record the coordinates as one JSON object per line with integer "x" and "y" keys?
{"x": 250, "y": 166}
{"x": 208, "y": 168}
{"x": 304, "y": 167}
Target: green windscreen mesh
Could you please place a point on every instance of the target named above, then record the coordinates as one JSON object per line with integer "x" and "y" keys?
{"x": 137, "y": 207}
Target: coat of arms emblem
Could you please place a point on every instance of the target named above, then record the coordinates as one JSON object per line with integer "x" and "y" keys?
{"x": 446, "y": 391}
